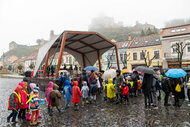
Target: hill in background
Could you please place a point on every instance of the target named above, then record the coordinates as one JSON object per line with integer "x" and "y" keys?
{"x": 117, "y": 31}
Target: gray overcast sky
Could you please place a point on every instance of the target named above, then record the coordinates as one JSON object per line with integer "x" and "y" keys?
{"x": 24, "y": 21}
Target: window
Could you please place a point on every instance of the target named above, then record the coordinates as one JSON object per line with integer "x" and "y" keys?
{"x": 157, "y": 54}
{"x": 121, "y": 57}
{"x": 178, "y": 30}
{"x": 69, "y": 60}
{"x": 174, "y": 47}
{"x": 125, "y": 56}
{"x": 188, "y": 49}
{"x": 136, "y": 42}
{"x": 188, "y": 46}
{"x": 113, "y": 57}
{"x": 142, "y": 55}
{"x": 134, "y": 56}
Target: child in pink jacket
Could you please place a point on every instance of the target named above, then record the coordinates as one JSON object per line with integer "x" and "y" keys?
{"x": 48, "y": 91}
{"x": 23, "y": 106}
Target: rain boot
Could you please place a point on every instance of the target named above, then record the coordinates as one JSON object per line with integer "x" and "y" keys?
{"x": 14, "y": 119}
{"x": 33, "y": 123}
{"x": 8, "y": 119}
{"x": 28, "y": 117}
{"x": 59, "y": 110}
{"x": 51, "y": 112}
{"x": 87, "y": 102}
{"x": 48, "y": 109}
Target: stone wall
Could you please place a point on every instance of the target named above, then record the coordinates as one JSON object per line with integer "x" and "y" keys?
{"x": 43, "y": 83}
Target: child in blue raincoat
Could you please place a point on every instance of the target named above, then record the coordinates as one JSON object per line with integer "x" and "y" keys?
{"x": 67, "y": 92}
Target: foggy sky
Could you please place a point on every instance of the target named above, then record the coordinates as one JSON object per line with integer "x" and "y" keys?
{"x": 25, "y": 21}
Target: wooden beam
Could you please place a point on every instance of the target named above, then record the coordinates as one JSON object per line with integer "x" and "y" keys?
{"x": 61, "y": 54}
{"x": 87, "y": 44}
{"x": 46, "y": 63}
{"x": 99, "y": 62}
{"x": 80, "y": 32}
{"x": 73, "y": 50}
{"x": 117, "y": 58}
{"x": 84, "y": 63}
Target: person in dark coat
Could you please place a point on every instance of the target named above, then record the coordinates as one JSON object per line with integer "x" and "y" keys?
{"x": 52, "y": 71}
{"x": 166, "y": 87}
{"x": 28, "y": 80}
{"x": 118, "y": 83}
{"x": 176, "y": 94}
{"x": 93, "y": 91}
{"x": 134, "y": 77}
{"x": 146, "y": 88}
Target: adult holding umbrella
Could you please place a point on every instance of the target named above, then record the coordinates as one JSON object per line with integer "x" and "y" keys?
{"x": 177, "y": 83}
{"x": 146, "y": 88}
{"x": 147, "y": 83}
{"x": 90, "y": 68}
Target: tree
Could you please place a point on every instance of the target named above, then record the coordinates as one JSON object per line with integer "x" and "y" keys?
{"x": 31, "y": 66}
{"x": 124, "y": 61}
{"x": 142, "y": 33}
{"x": 149, "y": 31}
{"x": 147, "y": 59}
{"x": 20, "y": 67}
{"x": 109, "y": 60}
{"x": 179, "y": 48}
{"x": 9, "y": 67}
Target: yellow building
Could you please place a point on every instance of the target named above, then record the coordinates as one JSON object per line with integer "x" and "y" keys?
{"x": 151, "y": 45}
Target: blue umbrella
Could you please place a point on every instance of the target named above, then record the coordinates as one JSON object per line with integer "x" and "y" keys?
{"x": 176, "y": 73}
{"x": 90, "y": 68}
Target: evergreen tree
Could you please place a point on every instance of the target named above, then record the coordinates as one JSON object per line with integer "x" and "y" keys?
{"x": 149, "y": 31}
{"x": 142, "y": 33}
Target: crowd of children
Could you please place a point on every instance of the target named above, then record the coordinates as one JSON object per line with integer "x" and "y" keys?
{"x": 21, "y": 102}
{"x": 117, "y": 90}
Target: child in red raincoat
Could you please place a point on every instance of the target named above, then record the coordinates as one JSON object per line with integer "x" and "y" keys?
{"x": 125, "y": 91}
{"x": 76, "y": 94}
{"x": 14, "y": 102}
{"x": 23, "y": 105}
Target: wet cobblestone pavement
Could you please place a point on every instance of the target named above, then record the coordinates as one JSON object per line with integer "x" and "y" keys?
{"x": 103, "y": 114}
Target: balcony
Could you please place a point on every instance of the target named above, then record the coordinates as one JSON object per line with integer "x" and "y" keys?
{"x": 170, "y": 57}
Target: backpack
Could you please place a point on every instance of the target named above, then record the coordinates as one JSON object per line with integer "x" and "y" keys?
{"x": 158, "y": 85}
{"x": 12, "y": 102}
{"x": 60, "y": 78}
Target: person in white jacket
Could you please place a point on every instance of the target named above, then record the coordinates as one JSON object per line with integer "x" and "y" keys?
{"x": 85, "y": 91}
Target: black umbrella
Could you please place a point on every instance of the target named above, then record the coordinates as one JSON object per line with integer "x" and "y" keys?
{"x": 187, "y": 69}
{"x": 155, "y": 68}
{"x": 145, "y": 70}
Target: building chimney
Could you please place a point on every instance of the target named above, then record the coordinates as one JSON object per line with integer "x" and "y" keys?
{"x": 129, "y": 38}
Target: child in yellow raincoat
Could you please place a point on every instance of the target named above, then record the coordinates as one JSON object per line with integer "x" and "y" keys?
{"x": 110, "y": 90}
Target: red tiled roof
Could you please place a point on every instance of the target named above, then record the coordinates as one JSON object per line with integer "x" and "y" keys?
{"x": 123, "y": 44}
{"x": 32, "y": 57}
{"x": 179, "y": 30}
{"x": 144, "y": 41}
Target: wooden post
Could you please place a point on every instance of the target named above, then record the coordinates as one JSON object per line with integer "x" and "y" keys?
{"x": 61, "y": 54}
{"x": 84, "y": 63}
{"x": 99, "y": 62}
{"x": 46, "y": 64}
{"x": 116, "y": 52}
